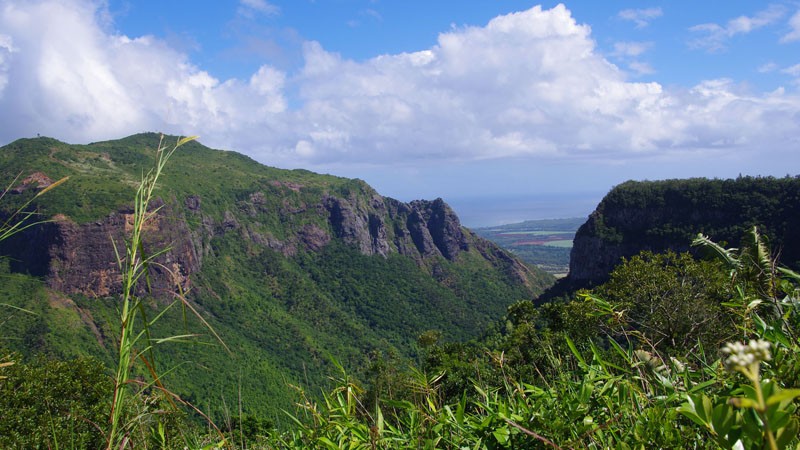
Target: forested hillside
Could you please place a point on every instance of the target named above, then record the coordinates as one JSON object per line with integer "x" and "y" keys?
{"x": 428, "y": 336}
{"x": 291, "y": 269}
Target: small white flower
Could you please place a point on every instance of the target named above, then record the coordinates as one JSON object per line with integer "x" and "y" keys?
{"x": 742, "y": 357}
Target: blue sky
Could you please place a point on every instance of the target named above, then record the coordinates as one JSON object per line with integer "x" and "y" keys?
{"x": 668, "y": 42}
{"x": 484, "y": 103}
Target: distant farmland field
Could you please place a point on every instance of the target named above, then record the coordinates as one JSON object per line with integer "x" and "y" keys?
{"x": 543, "y": 243}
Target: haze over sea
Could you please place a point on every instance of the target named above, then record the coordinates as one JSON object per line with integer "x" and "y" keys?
{"x": 490, "y": 211}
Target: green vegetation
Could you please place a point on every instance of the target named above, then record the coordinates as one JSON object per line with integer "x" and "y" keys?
{"x": 674, "y": 301}
{"x": 610, "y": 386}
{"x": 284, "y": 310}
{"x": 657, "y": 214}
{"x": 671, "y": 351}
{"x": 54, "y": 404}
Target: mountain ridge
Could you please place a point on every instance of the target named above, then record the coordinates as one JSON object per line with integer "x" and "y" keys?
{"x": 290, "y": 265}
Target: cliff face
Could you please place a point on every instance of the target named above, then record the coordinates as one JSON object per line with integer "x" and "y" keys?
{"x": 80, "y": 258}
{"x": 658, "y": 216}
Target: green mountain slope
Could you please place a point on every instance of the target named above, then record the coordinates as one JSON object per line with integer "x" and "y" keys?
{"x": 291, "y": 268}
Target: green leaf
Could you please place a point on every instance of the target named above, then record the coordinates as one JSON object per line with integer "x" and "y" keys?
{"x": 502, "y": 435}
{"x": 462, "y": 405}
{"x": 328, "y": 443}
{"x": 694, "y": 409}
{"x": 574, "y": 349}
{"x": 750, "y": 392}
{"x": 431, "y": 405}
{"x": 783, "y": 395}
{"x": 743, "y": 402}
{"x": 402, "y": 404}
{"x": 701, "y": 386}
{"x": 723, "y": 418}
{"x": 785, "y": 435}
{"x": 789, "y": 273}
{"x": 620, "y": 351}
{"x": 778, "y": 419}
{"x": 706, "y": 408}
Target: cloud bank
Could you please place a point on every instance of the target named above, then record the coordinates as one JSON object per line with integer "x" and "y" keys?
{"x": 528, "y": 85}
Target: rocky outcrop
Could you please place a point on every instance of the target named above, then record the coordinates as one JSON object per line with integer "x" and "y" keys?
{"x": 358, "y": 224}
{"x": 420, "y": 229}
{"x": 81, "y": 259}
{"x": 435, "y": 229}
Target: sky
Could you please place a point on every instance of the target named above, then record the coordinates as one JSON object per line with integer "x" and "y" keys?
{"x": 507, "y": 109}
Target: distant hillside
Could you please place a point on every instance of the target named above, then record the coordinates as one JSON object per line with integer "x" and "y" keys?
{"x": 543, "y": 243}
{"x": 291, "y": 268}
{"x": 661, "y": 215}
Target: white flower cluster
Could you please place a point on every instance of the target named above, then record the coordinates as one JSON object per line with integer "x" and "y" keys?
{"x": 743, "y": 356}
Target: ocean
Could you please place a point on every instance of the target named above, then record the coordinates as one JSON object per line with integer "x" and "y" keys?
{"x": 491, "y": 211}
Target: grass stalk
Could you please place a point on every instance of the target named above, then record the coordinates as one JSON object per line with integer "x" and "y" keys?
{"x": 134, "y": 265}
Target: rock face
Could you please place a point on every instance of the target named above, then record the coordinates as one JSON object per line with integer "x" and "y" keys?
{"x": 667, "y": 215}
{"x": 359, "y": 224}
{"x": 420, "y": 229}
{"x": 80, "y": 259}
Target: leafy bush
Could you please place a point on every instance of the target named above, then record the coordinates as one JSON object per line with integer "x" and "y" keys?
{"x": 52, "y": 404}
{"x": 611, "y": 393}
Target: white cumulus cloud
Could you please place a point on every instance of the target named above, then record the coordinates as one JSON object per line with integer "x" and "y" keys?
{"x": 526, "y": 86}
{"x": 66, "y": 76}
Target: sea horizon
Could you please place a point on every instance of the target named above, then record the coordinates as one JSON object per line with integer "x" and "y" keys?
{"x": 489, "y": 211}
